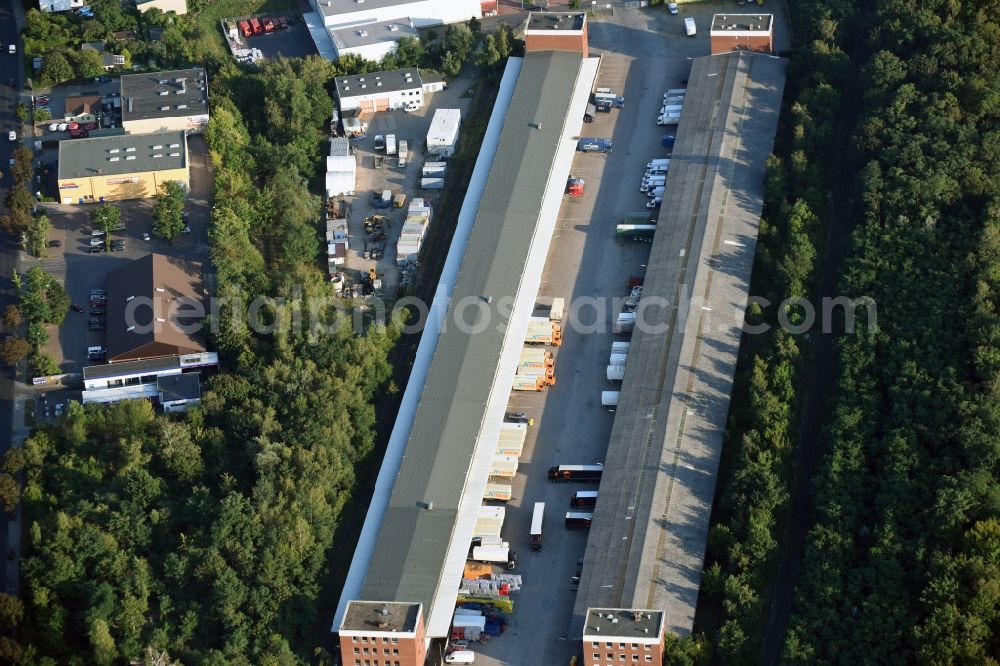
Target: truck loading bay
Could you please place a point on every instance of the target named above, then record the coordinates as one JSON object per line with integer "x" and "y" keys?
{"x": 644, "y": 54}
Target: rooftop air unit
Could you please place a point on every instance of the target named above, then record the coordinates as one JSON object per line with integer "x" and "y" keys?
{"x": 362, "y": 33}
{"x": 163, "y": 82}
{"x": 130, "y": 157}
{"x": 130, "y": 149}
{"x": 182, "y": 106}
{"x": 112, "y": 150}
{"x": 393, "y": 28}
{"x": 164, "y": 108}
{"x": 164, "y": 92}
{"x": 155, "y": 155}
{"x": 175, "y": 145}
{"x": 113, "y": 159}
{"x": 175, "y": 154}
{"x": 158, "y": 147}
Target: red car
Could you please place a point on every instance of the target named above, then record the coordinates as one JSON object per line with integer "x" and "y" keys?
{"x": 268, "y": 25}
{"x": 245, "y": 29}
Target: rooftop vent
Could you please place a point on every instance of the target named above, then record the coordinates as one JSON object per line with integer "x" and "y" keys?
{"x": 130, "y": 157}
{"x": 164, "y": 108}
{"x": 157, "y": 155}
{"x": 161, "y": 289}
{"x": 614, "y": 620}
{"x": 112, "y": 150}
{"x": 175, "y": 145}
{"x": 130, "y": 149}
{"x": 113, "y": 159}
{"x": 164, "y": 92}
{"x": 393, "y": 28}
{"x": 175, "y": 154}
{"x": 362, "y": 33}
{"x": 182, "y": 106}
{"x": 162, "y": 81}
{"x": 636, "y": 615}
{"x": 158, "y": 147}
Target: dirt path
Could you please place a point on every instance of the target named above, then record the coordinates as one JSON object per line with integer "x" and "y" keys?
{"x": 820, "y": 372}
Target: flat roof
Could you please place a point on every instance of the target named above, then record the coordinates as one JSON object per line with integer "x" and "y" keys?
{"x": 357, "y": 85}
{"x": 413, "y": 542}
{"x": 608, "y": 623}
{"x": 185, "y": 386}
{"x": 373, "y": 33}
{"x": 556, "y": 21}
{"x": 368, "y": 616}
{"x": 742, "y": 22}
{"x": 149, "y": 365}
{"x": 169, "y": 94}
{"x": 334, "y": 7}
{"x": 122, "y": 153}
{"x": 646, "y": 544}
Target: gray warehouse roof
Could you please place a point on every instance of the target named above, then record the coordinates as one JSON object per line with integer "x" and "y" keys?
{"x": 368, "y": 84}
{"x": 334, "y": 7}
{"x": 647, "y": 541}
{"x": 373, "y": 33}
{"x": 125, "y": 153}
{"x": 413, "y": 542}
{"x": 176, "y": 93}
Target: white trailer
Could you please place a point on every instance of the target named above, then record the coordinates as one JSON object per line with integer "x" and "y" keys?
{"x": 661, "y": 162}
{"x": 609, "y": 398}
{"x": 497, "y": 492}
{"x": 689, "y": 27}
{"x": 625, "y": 322}
{"x": 616, "y": 373}
{"x": 390, "y": 144}
{"x": 537, "y": 515}
{"x": 404, "y": 151}
{"x": 504, "y": 467}
{"x": 556, "y": 311}
{"x": 620, "y": 347}
{"x": 442, "y": 137}
{"x": 494, "y": 554}
{"x": 432, "y": 183}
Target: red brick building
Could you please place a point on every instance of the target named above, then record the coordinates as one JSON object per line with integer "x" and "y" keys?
{"x": 619, "y": 637}
{"x": 742, "y": 32}
{"x": 376, "y": 633}
{"x": 556, "y": 31}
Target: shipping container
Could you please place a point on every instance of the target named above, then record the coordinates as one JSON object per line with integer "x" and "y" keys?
{"x": 609, "y": 398}
{"x": 584, "y": 498}
{"x": 442, "y": 137}
{"x": 504, "y": 467}
{"x": 404, "y": 152}
{"x": 556, "y": 310}
{"x": 390, "y": 144}
{"x": 432, "y": 183}
{"x": 497, "y": 492}
{"x": 578, "y": 519}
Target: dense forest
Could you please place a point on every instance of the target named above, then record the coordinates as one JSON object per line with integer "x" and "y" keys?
{"x": 903, "y": 563}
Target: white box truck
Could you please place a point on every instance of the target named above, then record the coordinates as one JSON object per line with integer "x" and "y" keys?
{"x": 390, "y": 144}
{"x": 404, "y": 151}
{"x": 689, "y": 27}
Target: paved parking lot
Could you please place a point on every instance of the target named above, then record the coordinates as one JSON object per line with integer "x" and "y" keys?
{"x": 645, "y": 53}
{"x": 79, "y": 271}
{"x": 412, "y": 128}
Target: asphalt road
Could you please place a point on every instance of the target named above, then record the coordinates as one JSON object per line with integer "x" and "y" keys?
{"x": 11, "y": 67}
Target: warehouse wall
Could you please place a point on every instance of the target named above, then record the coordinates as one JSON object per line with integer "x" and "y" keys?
{"x": 118, "y": 187}
{"x": 727, "y": 43}
{"x": 427, "y": 12}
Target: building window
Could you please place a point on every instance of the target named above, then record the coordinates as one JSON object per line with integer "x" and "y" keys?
{"x": 357, "y": 662}
{"x": 354, "y": 639}
{"x": 635, "y": 646}
{"x": 607, "y": 645}
{"x": 395, "y": 652}
{"x": 635, "y": 657}
{"x": 621, "y": 646}
{"x": 395, "y": 640}
{"x": 649, "y": 657}
{"x": 385, "y": 651}
{"x": 595, "y": 645}
{"x": 621, "y": 657}
{"x": 357, "y": 650}
{"x": 646, "y": 647}
{"x": 596, "y": 656}
{"x": 364, "y": 639}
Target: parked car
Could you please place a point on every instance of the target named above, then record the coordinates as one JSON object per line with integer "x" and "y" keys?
{"x": 59, "y": 409}
{"x": 145, "y": 235}
{"x": 94, "y": 249}
{"x": 96, "y": 242}
{"x": 100, "y": 312}
{"x": 96, "y": 327}
{"x": 672, "y": 7}
{"x": 12, "y": 135}
{"x": 77, "y": 308}
{"x": 55, "y": 243}
{"x": 186, "y": 230}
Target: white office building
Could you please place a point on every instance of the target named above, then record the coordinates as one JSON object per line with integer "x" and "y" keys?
{"x": 372, "y": 41}
{"x": 343, "y": 13}
{"x": 380, "y": 91}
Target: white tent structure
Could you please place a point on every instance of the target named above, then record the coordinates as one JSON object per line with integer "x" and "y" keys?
{"x": 341, "y": 172}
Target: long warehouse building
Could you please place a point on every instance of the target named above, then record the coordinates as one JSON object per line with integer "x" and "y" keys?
{"x": 404, "y": 579}
{"x": 646, "y": 546}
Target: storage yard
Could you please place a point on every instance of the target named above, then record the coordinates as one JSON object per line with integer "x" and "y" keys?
{"x": 581, "y": 384}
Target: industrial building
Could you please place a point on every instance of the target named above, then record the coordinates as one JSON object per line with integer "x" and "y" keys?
{"x": 615, "y": 636}
{"x": 155, "y": 309}
{"x": 558, "y": 31}
{"x": 372, "y": 41}
{"x": 442, "y": 135}
{"x": 380, "y": 91}
{"x": 161, "y": 101}
{"x": 127, "y": 166}
{"x": 416, "y": 536}
{"x": 646, "y": 545}
{"x": 175, "y": 6}
{"x": 150, "y": 380}
{"x": 742, "y": 32}
{"x": 343, "y": 13}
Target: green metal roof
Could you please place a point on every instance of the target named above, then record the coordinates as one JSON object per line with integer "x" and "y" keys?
{"x": 412, "y": 543}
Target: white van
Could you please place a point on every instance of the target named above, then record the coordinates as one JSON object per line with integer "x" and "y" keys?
{"x": 460, "y": 657}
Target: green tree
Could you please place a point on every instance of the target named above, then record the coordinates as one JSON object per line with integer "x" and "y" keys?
{"x": 459, "y": 40}
{"x": 21, "y": 112}
{"x": 450, "y": 65}
{"x": 89, "y": 64}
{"x": 19, "y": 200}
{"x": 475, "y": 25}
{"x": 41, "y": 115}
{"x": 106, "y": 218}
{"x": 43, "y": 365}
{"x": 168, "y": 210}
{"x": 488, "y": 56}
{"x": 38, "y": 235}
{"x": 10, "y": 495}
{"x": 55, "y": 69}
{"x": 13, "y": 350}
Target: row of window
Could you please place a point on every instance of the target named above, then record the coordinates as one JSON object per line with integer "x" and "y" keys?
{"x": 598, "y": 657}
{"x": 357, "y": 662}
{"x": 376, "y": 639}
{"x": 374, "y": 651}
{"x": 621, "y": 646}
